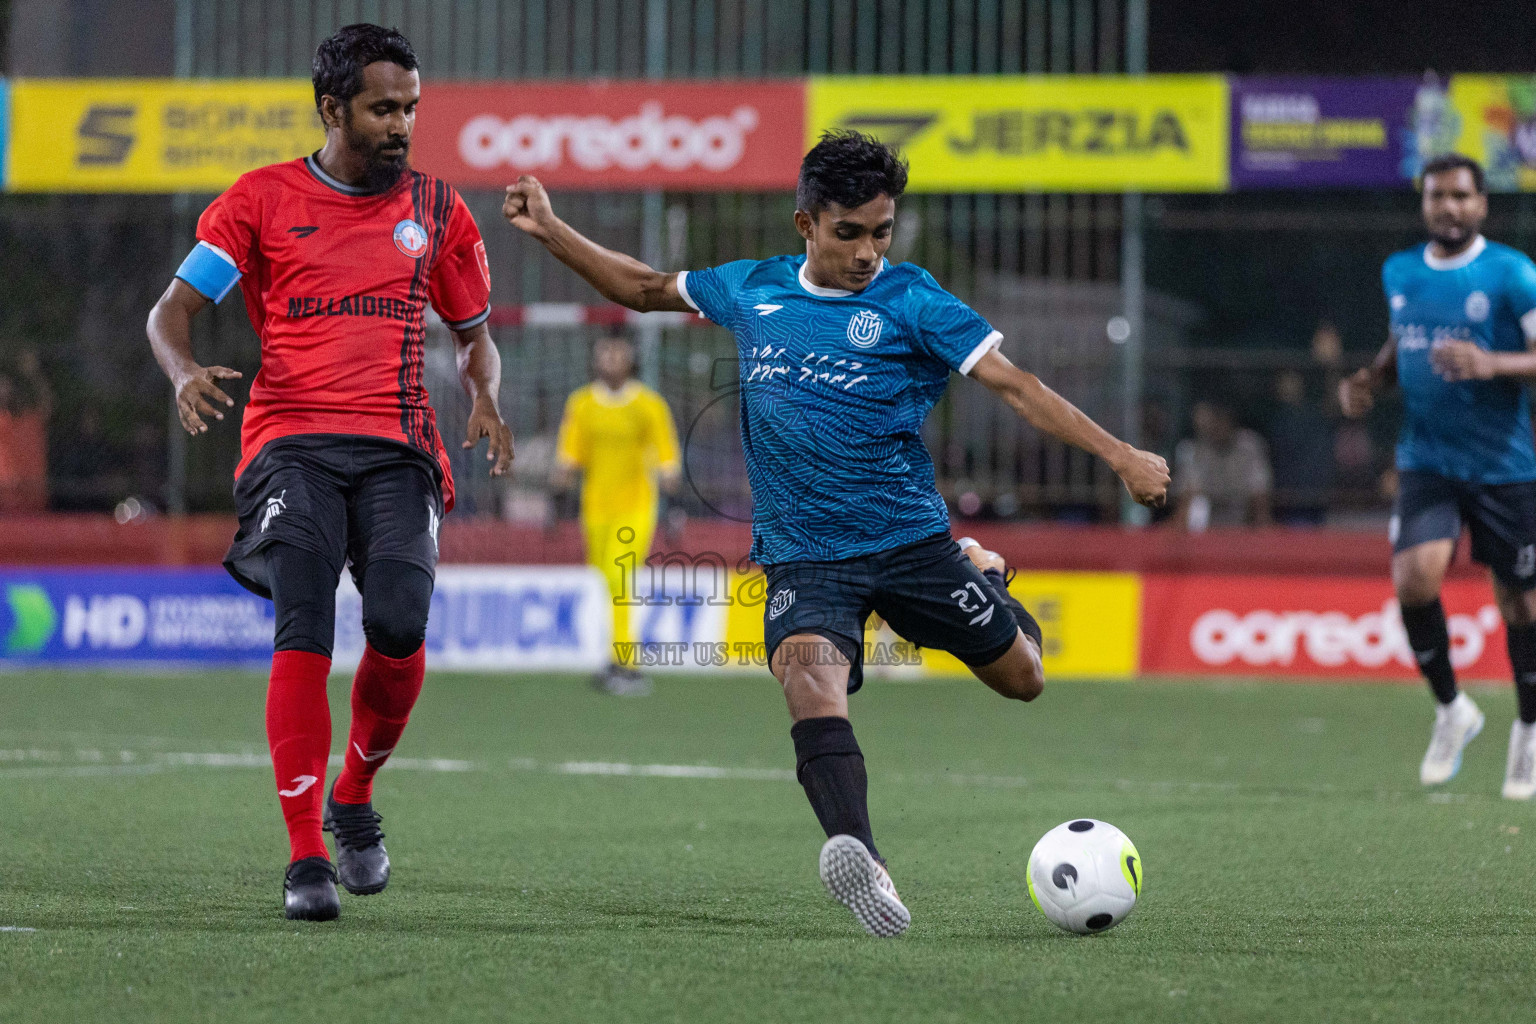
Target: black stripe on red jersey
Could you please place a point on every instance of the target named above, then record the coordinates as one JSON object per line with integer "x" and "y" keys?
{"x": 409, "y": 415}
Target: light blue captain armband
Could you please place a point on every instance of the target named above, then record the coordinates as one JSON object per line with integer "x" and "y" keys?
{"x": 210, "y": 270}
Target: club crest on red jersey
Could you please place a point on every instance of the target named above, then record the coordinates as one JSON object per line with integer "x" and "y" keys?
{"x": 411, "y": 238}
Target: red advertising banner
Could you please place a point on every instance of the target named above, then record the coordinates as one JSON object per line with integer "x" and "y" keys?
{"x": 617, "y": 136}
{"x": 1306, "y": 626}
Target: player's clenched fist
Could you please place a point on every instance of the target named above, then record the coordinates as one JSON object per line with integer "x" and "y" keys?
{"x": 1146, "y": 477}
{"x": 527, "y": 205}
{"x": 1462, "y": 360}
{"x": 1357, "y": 393}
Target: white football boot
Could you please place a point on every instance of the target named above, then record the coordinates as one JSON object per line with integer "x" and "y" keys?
{"x": 1456, "y": 724}
{"x": 860, "y": 883}
{"x": 1520, "y": 768}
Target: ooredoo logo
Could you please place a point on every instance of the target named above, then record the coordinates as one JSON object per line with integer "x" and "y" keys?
{"x": 1329, "y": 639}
{"x": 648, "y": 139}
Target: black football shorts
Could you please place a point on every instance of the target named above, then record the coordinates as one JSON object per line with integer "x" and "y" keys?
{"x": 929, "y": 591}
{"x": 1500, "y": 517}
{"x": 346, "y": 498}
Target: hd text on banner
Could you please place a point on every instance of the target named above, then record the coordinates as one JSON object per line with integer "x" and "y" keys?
{"x": 149, "y": 615}
{"x": 1071, "y": 133}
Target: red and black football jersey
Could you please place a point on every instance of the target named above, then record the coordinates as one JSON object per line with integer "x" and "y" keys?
{"x": 337, "y": 282}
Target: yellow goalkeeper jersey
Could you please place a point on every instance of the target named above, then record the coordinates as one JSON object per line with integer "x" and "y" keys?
{"x": 619, "y": 440}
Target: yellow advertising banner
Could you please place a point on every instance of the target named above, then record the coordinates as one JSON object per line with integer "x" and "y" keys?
{"x": 1497, "y": 115}
{"x": 1063, "y": 133}
{"x": 154, "y": 135}
{"x": 1091, "y": 623}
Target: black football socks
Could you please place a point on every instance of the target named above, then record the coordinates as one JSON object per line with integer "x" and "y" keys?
{"x": 1431, "y": 643}
{"x": 830, "y": 767}
{"x": 1021, "y": 615}
{"x": 1522, "y": 658}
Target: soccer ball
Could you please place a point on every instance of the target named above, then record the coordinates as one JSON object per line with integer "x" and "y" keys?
{"x": 1085, "y": 875}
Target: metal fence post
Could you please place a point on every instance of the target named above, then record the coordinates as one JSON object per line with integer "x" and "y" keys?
{"x": 1133, "y": 280}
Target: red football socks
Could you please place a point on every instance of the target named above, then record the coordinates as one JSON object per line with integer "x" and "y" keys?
{"x": 383, "y": 694}
{"x": 299, "y": 734}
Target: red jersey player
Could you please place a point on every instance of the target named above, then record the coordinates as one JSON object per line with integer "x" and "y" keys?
{"x": 337, "y": 256}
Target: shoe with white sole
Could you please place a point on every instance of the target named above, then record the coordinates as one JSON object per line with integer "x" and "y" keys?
{"x": 1456, "y": 725}
{"x": 860, "y": 883}
{"x": 1520, "y": 768}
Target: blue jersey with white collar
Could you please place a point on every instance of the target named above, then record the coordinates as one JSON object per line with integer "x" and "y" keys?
{"x": 1477, "y": 431}
{"x": 835, "y": 387}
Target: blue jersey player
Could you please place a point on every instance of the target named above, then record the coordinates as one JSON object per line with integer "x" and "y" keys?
{"x": 1463, "y": 325}
{"x": 841, "y": 356}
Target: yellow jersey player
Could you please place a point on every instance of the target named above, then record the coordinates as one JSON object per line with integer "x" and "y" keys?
{"x": 619, "y": 435}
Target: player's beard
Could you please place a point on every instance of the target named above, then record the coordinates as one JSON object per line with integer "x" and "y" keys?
{"x": 381, "y": 170}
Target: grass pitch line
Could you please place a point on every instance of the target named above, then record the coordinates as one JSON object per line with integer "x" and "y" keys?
{"x": 36, "y": 763}
{"x": 669, "y": 771}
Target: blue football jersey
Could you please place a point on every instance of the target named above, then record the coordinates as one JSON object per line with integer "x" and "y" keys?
{"x": 1478, "y": 431}
{"x": 835, "y": 387}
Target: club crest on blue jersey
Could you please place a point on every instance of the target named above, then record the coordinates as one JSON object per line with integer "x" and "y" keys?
{"x": 1477, "y": 307}
{"x": 410, "y": 238}
{"x": 864, "y": 329}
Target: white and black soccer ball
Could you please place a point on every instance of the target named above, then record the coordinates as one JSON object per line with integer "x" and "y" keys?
{"x": 1085, "y": 875}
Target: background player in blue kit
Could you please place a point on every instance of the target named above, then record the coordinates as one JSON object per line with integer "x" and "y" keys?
{"x": 842, "y": 356}
{"x": 1463, "y": 323}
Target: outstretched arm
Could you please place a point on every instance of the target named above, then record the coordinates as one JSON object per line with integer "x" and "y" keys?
{"x": 617, "y": 277}
{"x": 480, "y": 372}
{"x": 1144, "y": 473}
{"x": 170, "y": 337}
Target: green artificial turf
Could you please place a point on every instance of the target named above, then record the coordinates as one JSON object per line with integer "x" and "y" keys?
{"x": 1295, "y": 870}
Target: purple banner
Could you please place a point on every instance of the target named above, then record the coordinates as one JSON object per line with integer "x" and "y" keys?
{"x": 1325, "y": 132}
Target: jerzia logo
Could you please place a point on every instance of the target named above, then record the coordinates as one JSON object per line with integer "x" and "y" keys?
{"x": 864, "y": 329}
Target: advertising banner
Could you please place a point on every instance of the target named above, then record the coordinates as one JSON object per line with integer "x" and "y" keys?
{"x": 500, "y": 618}
{"x": 1496, "y": 117}
{"x": 1323, "y": 132}
{"x": 1307, "y": 627}
{"x": 1063, "y": 133}
{"x": 5, "y": 123}
{"x": 1089, "y": 621}
{"x": 137, "y": 615}
{"x": 154, "y": 135}
{"x": 613, "y": 135}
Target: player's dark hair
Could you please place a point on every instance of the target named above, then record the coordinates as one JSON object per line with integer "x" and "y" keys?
{"x": 848, "y": 168}
{"x": 1453, "y": 162}
{"x": 339, "y": 60}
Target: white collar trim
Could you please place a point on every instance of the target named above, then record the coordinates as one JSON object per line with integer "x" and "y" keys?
{"x": 833, "y": 293}
{"x": 1458, "y": 261}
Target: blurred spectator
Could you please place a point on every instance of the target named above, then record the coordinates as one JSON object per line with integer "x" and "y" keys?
{"x": 527, "y": 496}
{"x": 1301, "y": 445}
{"x": 1221, "y": 476}
{"x": 82, "y": 468}
{"x": 26, "y": 402}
